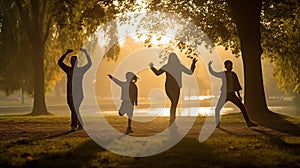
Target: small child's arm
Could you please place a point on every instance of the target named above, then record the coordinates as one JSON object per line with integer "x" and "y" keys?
{"x": 118, "y": 82}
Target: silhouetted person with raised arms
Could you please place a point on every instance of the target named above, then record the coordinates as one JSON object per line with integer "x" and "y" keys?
{"x": 230, "y": 85}
{"x": 74, "y": 84}
{"x": 129, "y": 96}
{"x": 173, "y": 70}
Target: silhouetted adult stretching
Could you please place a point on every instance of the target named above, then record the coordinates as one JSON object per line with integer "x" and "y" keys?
{"x": 173, "y": 70}
{"x": 230, "y": 85}
{"x": 74, "y": 84}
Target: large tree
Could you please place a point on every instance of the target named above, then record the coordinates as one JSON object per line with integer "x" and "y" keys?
{"x": 35, "y": 32}
{"x": 236, "y": 24}
{"x": 247, "y": 18}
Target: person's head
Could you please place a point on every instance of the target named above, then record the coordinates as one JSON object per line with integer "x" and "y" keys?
{"x": 228, "y": 65}
{"x": 131, "y": 77}
{"x": 173, "y": 59}
{"x": 73, "y": 61}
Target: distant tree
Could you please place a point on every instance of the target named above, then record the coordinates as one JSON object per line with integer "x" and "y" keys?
{"x": 271, "y": 86}
{"x": 281, "y": 41}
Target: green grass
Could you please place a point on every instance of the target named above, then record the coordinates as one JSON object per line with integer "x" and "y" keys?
{"x": 44, "y": 142}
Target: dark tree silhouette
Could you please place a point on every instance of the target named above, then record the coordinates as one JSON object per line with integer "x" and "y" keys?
{"x": 246, "y": 15}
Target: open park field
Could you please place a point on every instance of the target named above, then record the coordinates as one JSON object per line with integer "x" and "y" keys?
{"x": 45, "y": 141}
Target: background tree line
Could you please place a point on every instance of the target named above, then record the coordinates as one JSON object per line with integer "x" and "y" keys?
{"x": 34, "y": 33}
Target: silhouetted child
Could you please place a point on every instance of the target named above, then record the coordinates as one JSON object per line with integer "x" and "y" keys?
{"x": 230, "y": 85}
{"x": 129, "y": 94}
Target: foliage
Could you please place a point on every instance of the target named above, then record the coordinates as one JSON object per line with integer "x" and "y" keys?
{"x": 64, "y": 24}
{"x": 212, "y": 17}
{"x": 15, "y": 54}
{"x": 281, "y": 34}
{"x": 279, "y": 28}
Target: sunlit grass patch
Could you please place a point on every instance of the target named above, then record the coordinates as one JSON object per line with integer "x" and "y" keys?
{"x": 44, "y": 141}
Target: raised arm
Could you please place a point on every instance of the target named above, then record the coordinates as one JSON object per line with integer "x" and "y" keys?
{"x": 214, "y": 73}
{"x": 89, "y": 63}
{"x": 117, "y": 81}
{"x": 156, "y": 72}
{"x": 61, "y": 64}
{"x": 192, "y": 69}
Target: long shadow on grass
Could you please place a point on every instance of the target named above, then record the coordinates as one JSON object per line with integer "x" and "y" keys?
{"x": 276, "y": 140}
{"x": 190, "y": 153}
{"x": 226, "y": 131}
{"x": 279, "y": 123}
{"x": 75, "y": 157}
{"x": 26, "y": 141}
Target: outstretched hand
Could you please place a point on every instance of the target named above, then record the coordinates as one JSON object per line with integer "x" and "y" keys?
{"x": 194, "y": 61}
{"x": 210, "y": 62}
{"x": 240, "y": 98}
{"x": 83, "y": 50}
{"x": 151, "y": 64}
{"x": 69, "y": 51}
{"x": 109, "y": 75}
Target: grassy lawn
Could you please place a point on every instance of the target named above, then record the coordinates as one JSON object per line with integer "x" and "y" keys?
{"x": 44, "y": 141}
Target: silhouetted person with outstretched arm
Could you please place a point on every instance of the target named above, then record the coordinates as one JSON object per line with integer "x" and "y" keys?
{"x": 173, "y": 70}
{"x": 74, "y": 84}
{"x": 129, "y": 96}
{"x": 230, "y": 86}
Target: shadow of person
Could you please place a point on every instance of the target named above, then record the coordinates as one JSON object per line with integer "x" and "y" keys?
{"x": 278, "y": 122}
{"x": 76, "y": 156}
{"x": 277, "y": 140}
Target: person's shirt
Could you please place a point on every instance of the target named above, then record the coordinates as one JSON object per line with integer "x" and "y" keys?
{"x": 173, "y": 73}
{"x": 124, "y": 88}
{"x": 74, "y": 77}
{"x": 235, "y": 81}
{"x": 230, "y": 81}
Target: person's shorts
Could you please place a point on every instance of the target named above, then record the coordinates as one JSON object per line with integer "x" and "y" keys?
{"x": 126, "y": 107}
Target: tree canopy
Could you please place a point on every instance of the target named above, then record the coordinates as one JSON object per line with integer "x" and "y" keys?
{"x": 35, "y": 33}
{"x": 281, "y": 41}
{"x": 279, "y": 31}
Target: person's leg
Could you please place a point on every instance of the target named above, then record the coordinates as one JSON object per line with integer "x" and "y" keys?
{"x": 220, "y": 104}
{"x": 129, "y": 109}
{"x": 129, "y": 128}
{"x": 129, "y": 123}
{"x": 235, "y": 100}
{"x": 73, "y": 113}
{"x": 78, "y": 101}
{"x": 173, "y": 95}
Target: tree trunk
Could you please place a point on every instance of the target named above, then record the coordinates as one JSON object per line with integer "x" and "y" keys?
{"x": 39, "y": 105}
{"x": 246, "y": 15}
{"x": 37, "y": 41}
